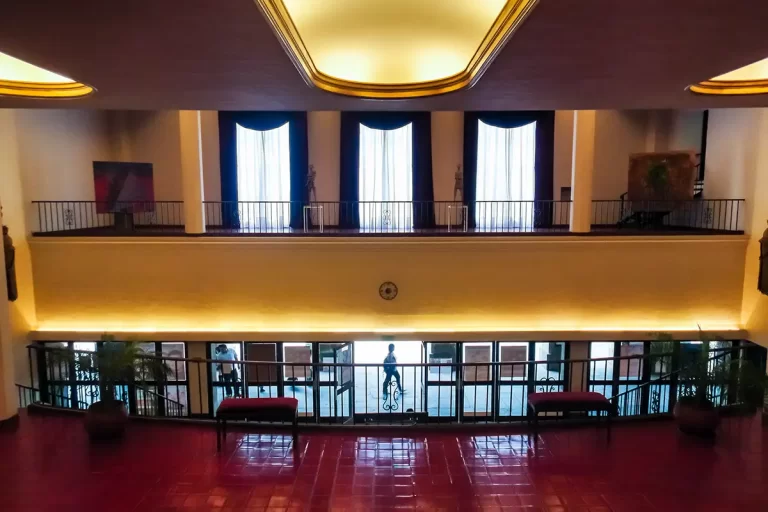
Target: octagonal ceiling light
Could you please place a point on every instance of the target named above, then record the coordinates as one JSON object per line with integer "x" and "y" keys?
{"x": 394, "y": 48}
{"x": 750, "y": 79}
{"x": 22, "y": 79}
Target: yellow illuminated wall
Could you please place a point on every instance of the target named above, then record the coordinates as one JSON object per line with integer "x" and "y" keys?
{"x": 446, "y": 285}
{"x": 737, "y": 164}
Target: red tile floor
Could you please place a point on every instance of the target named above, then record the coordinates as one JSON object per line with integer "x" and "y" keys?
{"x": 47, "y": 464}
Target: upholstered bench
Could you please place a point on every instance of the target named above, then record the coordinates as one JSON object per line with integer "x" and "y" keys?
{"x": 569, "y": 401}
{"x": 256, "y": 409}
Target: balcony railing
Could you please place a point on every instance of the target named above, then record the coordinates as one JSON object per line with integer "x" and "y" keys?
{"x": 339, "y": 218}
{"x": 118, "y": 218}
{"x": 428, "y": 392}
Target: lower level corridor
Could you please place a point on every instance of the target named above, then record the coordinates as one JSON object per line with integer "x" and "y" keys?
{"x": 47, "y": 464}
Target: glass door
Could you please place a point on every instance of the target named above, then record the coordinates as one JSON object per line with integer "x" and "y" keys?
{"x": 441, "y": 380}
{"x": 297, "y": 376}
{"x": 335, "y": 390}
{"x": 345, "y": 394}
{"x": 477, "y": 381}
{"x": 389, "y": 380}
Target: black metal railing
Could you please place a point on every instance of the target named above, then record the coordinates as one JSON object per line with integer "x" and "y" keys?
{"x": 60, "y": 381}
{"x": 387, "y": 217}
{"x": 114, "y": 218}
{"x": 407, "y": 393}
{"x": 695, "y": 215}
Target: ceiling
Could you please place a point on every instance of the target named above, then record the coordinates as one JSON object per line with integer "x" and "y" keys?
{"x": 222, "y": 54}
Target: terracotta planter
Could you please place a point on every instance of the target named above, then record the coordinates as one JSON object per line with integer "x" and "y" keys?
{"x": 695, "y": 418}
{"x": 106, "y": 419}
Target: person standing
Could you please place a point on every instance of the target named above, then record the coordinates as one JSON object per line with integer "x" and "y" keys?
{"x": 390, "y": 369}
{"x": 227, "y": 369}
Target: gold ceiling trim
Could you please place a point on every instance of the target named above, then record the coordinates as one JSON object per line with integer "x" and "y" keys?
{"x": 43, "y": 90}
{"x": 730, "y": 87}
{"x": 510, "y": 18}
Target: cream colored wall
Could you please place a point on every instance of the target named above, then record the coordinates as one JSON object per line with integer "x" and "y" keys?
{"x": 263, "y": 285}
{"x": 209, "y": 121}
{"x": 324, "y": 139}
{"x": 447, "y": 152}
{"x": 56, "y": 150}
{"x": 732, "y": 142}
{"x": 16, "y": 318}
{"x": 155, "y": 139}
{"x": 755, "y": 304}
{"x": 685, "y": 130}
{"x": 618, "y": 134}
{"x": 563, "y": 154}
{"x": 737, "y": 166}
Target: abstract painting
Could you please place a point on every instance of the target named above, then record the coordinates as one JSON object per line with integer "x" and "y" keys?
{"x": 123, "y": 186}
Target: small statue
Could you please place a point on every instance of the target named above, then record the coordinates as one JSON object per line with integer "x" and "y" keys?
{"x": 311, "y": 192}
{"x": 458, "y": 184}
{"x": 10, "y": 265}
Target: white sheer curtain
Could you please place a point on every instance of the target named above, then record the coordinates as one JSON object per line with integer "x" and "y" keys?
{"x": 386, "y": 170}
{"x": 264, "y": 178}
{"x": 506, "y": 161}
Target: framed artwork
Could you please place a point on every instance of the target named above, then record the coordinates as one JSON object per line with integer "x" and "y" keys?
{"x": 123, "y": 187}
{"x": 661, "y": 176}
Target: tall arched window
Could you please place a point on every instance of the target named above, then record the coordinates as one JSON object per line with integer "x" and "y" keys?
{"x": 264, "y": 177}
{"x": 506, "y": 177}
{"x": 386, "y": 171}
{"x": 386, "y": 179}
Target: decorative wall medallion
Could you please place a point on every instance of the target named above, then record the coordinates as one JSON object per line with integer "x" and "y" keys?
{"x": 388, "y": 290}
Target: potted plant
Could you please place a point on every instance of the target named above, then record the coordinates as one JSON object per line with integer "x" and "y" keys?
{"x": 115, "y": 364}
{"x": 708, "y": 380}
{"x": 661, "y": 352}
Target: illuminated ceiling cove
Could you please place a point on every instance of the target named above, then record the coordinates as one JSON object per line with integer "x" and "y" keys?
{"x": 19, "y": 78}
{"x": 393, "y": 48}
{"x": 750, "y": 79}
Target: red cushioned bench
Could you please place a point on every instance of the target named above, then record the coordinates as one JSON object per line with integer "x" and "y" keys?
{"x": 569, "y": 401}
{"x": 257, "y": 409}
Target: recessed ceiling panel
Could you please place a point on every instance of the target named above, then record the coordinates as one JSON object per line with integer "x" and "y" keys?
{"x": 19, "y": 78}
{"x": 394, "y": 48}
{"x": 750, "y": 79}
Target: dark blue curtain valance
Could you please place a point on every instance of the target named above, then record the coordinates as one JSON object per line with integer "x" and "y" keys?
{"x": 262, "y": 121}
{"x": 507, "y": 120}
{"x": 544, "y": 167}
{"x": 386, "y": 120}
{"x": 423, "y": 194}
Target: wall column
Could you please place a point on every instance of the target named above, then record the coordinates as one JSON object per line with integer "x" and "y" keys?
{"x": 583, "y": 164}
{"x": 192, "y": 171}
{"x": 8, "y": 399}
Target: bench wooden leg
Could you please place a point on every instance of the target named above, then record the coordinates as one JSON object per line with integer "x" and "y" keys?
{"x": 608, "y": 426}
{"x": 218, "y": 434}
{"x": 534, "y": 418}
{"x": 295, "y": 431}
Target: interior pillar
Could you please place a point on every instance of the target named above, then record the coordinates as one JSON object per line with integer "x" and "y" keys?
{"x": 192, "y": 171}
{"x": 8, "y": 397}
{"x": 583, "y": 164}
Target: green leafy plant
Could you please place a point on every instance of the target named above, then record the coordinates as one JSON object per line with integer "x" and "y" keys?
{"x": 712, "y": 376}
{"x": 117, "y": 363}
{"x": 657, "y": 178}
{"x": 661, "y": 351}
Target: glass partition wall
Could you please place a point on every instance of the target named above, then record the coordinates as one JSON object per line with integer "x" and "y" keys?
{"x": 370, "y": 382}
